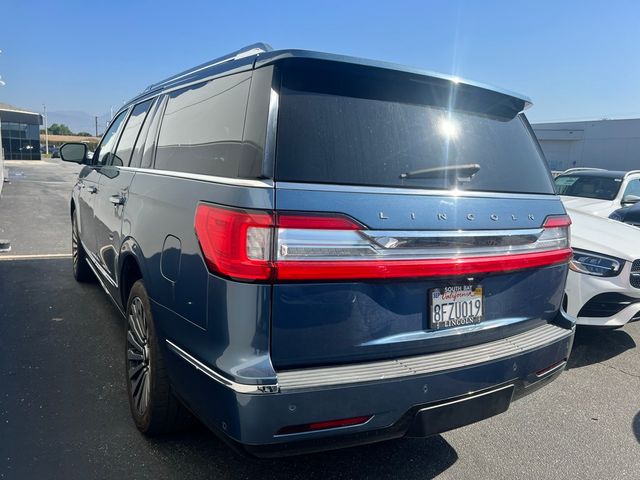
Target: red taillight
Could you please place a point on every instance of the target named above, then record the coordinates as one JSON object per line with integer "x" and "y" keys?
{"x": 236, "y": 243}
{"x": 419, "y": 268}
{"x": 312, "y": 427}
{"x": 555, "y": 221}
{"x": 317, "y": 221}
{"x": 250, "y": 245}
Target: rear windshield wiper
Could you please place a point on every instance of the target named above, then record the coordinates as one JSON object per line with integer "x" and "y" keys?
{"x": 462, "y": 172}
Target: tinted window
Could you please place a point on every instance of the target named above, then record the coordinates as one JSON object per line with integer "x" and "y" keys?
{"x": 148, "y": 149}
{"x": 130, "y": 134}
{"x": 202, "y": 128}
{"x": 588, "y": 186}
{"x": 108, "y": 141}
{"x": 364, "y": 128}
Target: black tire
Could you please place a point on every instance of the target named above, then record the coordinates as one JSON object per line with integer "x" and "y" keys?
{"x": 81, "y": 269}
{"x": 154, "y": 408}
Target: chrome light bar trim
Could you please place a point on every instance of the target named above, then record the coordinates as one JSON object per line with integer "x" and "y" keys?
{"x": 456, "y": 238}
{"x": 239, "y": 182}
{"x": 312, "y": 245}
{"x": 310, "y": 378}
{"x": 236, "y": 387}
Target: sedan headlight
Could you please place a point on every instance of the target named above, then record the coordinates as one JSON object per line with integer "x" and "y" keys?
{"x": 595, "y": 264}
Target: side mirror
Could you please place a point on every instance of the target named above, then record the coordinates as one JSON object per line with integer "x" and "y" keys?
{"x": 74, "y": 152}
{"x": 630, "y": 200}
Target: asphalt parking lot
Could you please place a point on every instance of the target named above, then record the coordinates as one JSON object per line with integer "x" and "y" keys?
{"x": 64, "y": 412}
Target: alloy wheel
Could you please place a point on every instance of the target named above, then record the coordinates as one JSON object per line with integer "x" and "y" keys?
{"x": 138, "y": 358}
{"x": 74, "y": 246}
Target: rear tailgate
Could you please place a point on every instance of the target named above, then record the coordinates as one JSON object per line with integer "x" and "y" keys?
{"x": 433, "y": 174}
{"x": 327, "y": 322}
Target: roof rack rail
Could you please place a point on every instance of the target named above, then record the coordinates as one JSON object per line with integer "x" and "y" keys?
{"x": 249, "y": 50}
{"x": 583, "y": 169}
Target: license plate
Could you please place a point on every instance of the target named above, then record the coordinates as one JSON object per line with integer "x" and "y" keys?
{"x": 456, "y": 306}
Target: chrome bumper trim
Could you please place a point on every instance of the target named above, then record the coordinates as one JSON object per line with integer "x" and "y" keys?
{"x": 421, "y": 365}
{"x": 236, "y": 387}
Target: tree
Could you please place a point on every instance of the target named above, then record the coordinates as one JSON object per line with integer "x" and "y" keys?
{"x": 59, "y": 129}
{"x": 84, "y": 134}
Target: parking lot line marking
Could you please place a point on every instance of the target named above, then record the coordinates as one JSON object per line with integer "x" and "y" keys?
{"x": 36, "y": 256}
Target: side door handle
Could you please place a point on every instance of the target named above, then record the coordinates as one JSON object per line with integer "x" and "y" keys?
{"x": 117, "y": 199}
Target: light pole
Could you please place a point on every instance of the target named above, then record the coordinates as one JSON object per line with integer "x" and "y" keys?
{"x": 46, "y": 130}
{"x": 2, "y": 84}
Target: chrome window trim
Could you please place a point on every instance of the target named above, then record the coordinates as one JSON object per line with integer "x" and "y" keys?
{"x": 271, "y": 131}
{"x": 323, "y": 377}
{"x": 236, "y": 387}
{"x": 239, "y": 182}
{"x": 269, "y": 183}
{"x": 321, "y": 187}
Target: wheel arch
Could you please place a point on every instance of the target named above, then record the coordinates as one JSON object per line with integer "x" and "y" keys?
{"x": 130, "y": 269}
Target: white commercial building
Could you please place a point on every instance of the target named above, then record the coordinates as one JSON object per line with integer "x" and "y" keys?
{"x": 610, "y": 144}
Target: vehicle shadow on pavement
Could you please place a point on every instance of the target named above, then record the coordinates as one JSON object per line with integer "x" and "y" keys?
{"x": 403, "y": 458}
{"x": 49, "y": 398}
{"x": 635, "y": 426}
{"x": 595, "y": 345}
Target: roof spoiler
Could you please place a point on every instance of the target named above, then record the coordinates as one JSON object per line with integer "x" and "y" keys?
{"x": 249, "y": 50}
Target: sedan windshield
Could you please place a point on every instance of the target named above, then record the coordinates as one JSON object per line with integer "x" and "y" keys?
{"x": 588, "y": 186}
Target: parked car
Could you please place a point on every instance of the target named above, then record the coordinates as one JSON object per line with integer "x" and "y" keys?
{"x": 314, "y": 251}
{"x": 597, "y": 191}
{"x": 55, "y": 153}
{"x": 603, "y": 287}
{"x": 630, "y": 215}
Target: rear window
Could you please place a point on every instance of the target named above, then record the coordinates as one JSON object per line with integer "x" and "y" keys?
{"x": 363, "y": 127}
{"x": 588, "y": 186}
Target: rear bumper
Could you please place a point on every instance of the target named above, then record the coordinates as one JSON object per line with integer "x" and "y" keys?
{"x": 422, "y": 396}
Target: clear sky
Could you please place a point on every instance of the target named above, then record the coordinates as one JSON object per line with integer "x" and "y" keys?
{"x": 575, "y": 59}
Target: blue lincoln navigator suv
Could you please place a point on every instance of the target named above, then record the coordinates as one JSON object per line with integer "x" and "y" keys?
{"x": 314, "y": 251}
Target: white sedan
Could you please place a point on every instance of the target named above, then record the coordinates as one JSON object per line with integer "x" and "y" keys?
{"x": 603, "y": 286}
